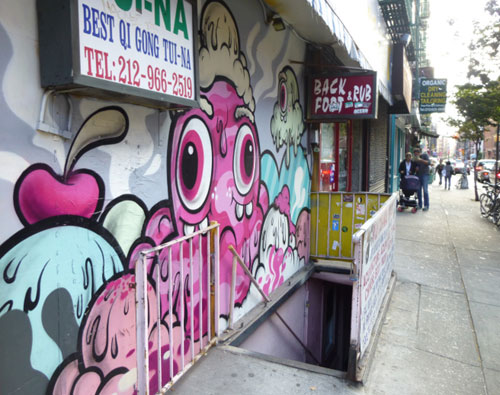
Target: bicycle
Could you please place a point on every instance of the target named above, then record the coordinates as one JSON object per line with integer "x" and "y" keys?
{"x": 489, "y": 203}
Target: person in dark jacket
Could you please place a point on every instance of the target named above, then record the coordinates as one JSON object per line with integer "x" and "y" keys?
{"x": 439, "y": 170}
{"x": 448, "y": 172}
{"x": 423, "y": 161}
{"x": 407, "y": 167}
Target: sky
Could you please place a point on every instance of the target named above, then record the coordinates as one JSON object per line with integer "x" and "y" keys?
{"x": 447, "y": 43}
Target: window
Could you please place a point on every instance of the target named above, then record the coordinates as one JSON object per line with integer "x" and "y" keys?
{"x": 335, "y": 156}
{"x": 327, "y": 179}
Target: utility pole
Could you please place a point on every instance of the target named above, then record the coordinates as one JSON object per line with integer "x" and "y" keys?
{"x": 417, "y": 56}
{"x": 417, "y": 46}
{"x": 497, "y": 153}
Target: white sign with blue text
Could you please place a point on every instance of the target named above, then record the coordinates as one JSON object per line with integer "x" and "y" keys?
{"x": 146, "y": 44}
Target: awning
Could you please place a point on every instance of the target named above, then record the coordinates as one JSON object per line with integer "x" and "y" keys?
{"x": 429, "y": 133}
{"x": 411, "y": 121}
{"x": 315, "y": 21}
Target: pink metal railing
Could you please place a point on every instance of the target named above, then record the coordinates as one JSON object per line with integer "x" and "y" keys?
{"x": 184, "y": 272}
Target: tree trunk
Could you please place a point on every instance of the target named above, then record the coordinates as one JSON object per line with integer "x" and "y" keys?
{"x": 497, "y": 154}
{"x": 476, "y": 143}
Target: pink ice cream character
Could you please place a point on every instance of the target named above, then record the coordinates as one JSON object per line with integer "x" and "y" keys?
{"x": 107, "y": 363}
{"x": 283, "y": 245}
{"x": 214, "y": 175}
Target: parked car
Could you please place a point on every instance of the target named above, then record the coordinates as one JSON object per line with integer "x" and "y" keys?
{"x": 488, "y": 173}
{"x": 459, "y": 167}
{"x": 492, "y": 178}
{"x": 480, "y": 166}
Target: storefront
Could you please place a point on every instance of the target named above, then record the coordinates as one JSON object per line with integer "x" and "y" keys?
{"x": 339, "y": 107}
{"x": 402, "y": 123}
{"x": 378, "y": 149}
{"x": 128, "y": 124}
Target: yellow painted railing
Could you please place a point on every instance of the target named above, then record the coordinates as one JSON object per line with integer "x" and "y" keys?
{"x": 335, "y": 217}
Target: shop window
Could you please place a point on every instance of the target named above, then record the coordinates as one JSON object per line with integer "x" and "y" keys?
{"x": 335, "y": 157}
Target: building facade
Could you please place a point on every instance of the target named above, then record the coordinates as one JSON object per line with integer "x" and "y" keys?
{"x": 490, "y": 142}
{"x": 88, "y": 182}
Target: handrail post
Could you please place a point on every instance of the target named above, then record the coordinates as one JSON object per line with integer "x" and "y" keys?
{"x": 159, "y": 356}
{"x": 357, "y": 261}
{"x": 232, "y": 292}
{"x": 141, "y": 311}
{"x": 191, "y": 298}
{"x": 217, "y": 281}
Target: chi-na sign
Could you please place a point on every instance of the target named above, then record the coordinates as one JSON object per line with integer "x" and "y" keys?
{"x": 139, "y": 51}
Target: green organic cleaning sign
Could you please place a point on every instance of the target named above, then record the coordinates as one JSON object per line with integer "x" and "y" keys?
{"x": 432, "y": 95}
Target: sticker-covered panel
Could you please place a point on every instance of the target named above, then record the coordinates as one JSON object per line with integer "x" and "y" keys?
{"x": 347, "y": 224}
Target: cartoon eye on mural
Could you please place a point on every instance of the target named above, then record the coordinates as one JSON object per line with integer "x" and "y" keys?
{"x": 225, "y": 187}
{"x": 214, "y": 166}
{"x": 283, "y": 245}
{"x": 287, "y": 123}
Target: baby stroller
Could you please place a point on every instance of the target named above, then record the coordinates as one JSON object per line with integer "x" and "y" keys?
{"x": 408, "y": 193}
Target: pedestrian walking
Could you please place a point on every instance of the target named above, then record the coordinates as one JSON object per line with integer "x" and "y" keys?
{"x": 423, "y": 161}
{"x": 439, "y": 170}
{"x": 447, "y": 173}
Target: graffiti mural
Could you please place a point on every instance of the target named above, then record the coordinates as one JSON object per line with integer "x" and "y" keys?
{"x": 222, "y": 132}
{"x": 67, "y": 277}
{"x": 62, "y": 252}
{"x": 287, "y": 123}
{"x": 284, "y": 240}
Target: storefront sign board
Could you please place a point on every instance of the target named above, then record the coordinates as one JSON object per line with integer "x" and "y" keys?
{"x": 344, "y": 96}
{"x": 432, "y": 95}
{"x": 142, "y": 51}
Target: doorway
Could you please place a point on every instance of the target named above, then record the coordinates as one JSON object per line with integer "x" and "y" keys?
{"x": 336, "y": 326}
{"x": 335, "y": 157}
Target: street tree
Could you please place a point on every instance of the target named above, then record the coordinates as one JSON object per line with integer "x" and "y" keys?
{"x": 483, "y": 59}
{"x": 478, "y": 105}
{"x": 478, "y": 101}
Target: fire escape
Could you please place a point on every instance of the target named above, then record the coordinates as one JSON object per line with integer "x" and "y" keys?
{"x": 408, "y": 20}
{"x": 408, "y": 17}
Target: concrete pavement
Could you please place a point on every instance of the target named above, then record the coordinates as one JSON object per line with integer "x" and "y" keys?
{"x": 441, "y": 333}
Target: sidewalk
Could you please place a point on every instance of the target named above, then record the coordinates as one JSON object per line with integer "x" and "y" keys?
{"x": 441, "y": 334}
